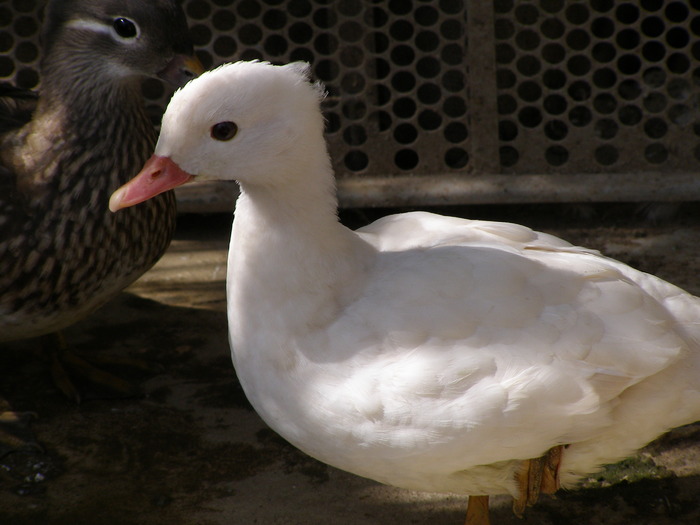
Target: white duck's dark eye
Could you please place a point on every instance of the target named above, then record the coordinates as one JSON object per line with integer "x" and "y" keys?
{"x": 224, "y": 130}
{"x": 124, "y": 27}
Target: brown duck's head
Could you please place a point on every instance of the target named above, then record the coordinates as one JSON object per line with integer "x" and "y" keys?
{"x": 126, "y": 38}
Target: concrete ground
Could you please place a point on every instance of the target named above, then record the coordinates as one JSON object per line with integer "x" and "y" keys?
{"x": 191, "y": 451}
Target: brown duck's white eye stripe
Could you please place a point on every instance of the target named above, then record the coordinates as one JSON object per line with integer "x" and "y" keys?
{"x": 120, "y": 28}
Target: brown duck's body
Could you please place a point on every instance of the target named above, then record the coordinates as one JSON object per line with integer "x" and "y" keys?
{"x": 62, "y": 253}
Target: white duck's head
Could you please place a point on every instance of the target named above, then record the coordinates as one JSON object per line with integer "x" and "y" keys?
{"x": 245, "y": 121}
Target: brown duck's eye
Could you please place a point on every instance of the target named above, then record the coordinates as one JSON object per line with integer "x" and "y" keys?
{"x": 124, "y": 27}
{"x": 224, "y": 130}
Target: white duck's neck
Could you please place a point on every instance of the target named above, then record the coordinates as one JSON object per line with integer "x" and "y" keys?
{"x": 290, "y": 255}
{"x": 304, "y": 202}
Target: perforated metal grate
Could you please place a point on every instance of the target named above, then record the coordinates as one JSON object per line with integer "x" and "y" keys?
{"x": 464, "y": 90}
{"x": 600, "y": 85}
{"x": 395, "y": 72}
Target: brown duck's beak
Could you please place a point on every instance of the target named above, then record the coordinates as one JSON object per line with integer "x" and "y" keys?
{"x": 181, "y": 69}
{"x": 159, "y": 174}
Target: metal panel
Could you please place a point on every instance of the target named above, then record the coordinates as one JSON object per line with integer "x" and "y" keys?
{"x": 601, "y": 86}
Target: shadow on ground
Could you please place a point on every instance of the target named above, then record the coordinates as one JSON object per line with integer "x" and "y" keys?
{"x": 191, "y": 451}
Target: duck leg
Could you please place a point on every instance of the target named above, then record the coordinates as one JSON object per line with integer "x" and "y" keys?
{"x": 478, "y": 511}
{"x": 66, "y": 363}
{"x": 537, "y": 476}
{"x": 14, "y": 430}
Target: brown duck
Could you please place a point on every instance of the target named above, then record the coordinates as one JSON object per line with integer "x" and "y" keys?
{"x": 62, "y": 253}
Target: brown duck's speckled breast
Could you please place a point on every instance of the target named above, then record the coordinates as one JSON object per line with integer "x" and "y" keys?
{"x": 62, "y": 252}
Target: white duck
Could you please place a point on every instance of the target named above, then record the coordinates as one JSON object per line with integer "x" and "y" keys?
{"x": 423, "y": 351}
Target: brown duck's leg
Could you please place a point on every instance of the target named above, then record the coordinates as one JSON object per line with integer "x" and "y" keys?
{"x": 15, "y": 433}
{"x": 66, "y": 363}
{"x": 537, "y": 476}
{"x": 478, "y": 511}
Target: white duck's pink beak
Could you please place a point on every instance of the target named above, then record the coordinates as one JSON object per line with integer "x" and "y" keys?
{"x": 159, "y": 174}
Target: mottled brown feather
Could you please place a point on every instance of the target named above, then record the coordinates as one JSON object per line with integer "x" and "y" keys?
{"x": 62, "y": 253}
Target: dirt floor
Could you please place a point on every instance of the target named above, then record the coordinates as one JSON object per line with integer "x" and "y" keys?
{"x": 191, "y": 451}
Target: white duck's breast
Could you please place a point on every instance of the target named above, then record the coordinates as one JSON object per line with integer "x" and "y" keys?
{"x": 450, "y": 358}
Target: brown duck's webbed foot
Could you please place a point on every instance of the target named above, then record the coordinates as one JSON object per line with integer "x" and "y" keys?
{"x": 24, "y": 464}
{"x": 478, "y": 511}
{"x": 537, "y": 476}
{"x": 72, "y": 373}
{"x": 15, "y": 431}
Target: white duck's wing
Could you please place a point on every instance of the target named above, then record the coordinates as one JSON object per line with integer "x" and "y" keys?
{"x": 423, "y": 230}
{"x": 491, "y": 351}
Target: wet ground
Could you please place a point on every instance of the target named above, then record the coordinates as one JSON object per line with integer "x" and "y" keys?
{"x": 191, "y": 451}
